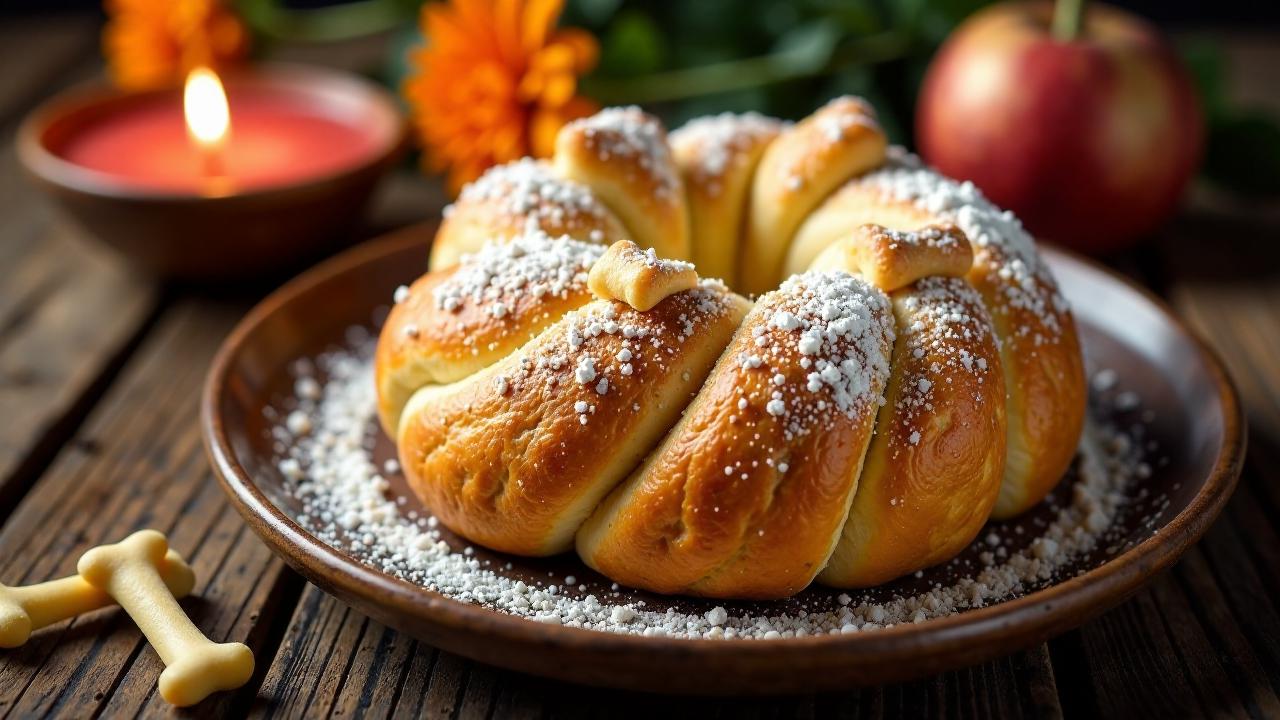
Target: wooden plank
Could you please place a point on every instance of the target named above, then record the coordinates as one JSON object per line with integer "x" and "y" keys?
{"x": 1227, "y": 285}
{"x": 70, "y": 311}
{"x": 1125, "y": 664}
{"x": 1204, "y": 638}
{"x": 70, "y": 315}
{"x": 1230, "y": 598}
{"x": 138, "y": 462}
{"x": 1015, "y": 686}
{"x": 336, "y": 662}
{"x": 1228, "y": 289}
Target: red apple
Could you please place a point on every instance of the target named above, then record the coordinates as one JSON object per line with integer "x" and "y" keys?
{"x": 1087, "y": 129}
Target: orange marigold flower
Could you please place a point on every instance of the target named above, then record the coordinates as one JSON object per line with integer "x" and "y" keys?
{"x": 155, "y": 43}
{"x": 494, "y": 82}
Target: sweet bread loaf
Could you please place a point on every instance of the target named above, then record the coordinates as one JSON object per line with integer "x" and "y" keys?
{"x": 717, "y": 157}
{"x": 563, "y": 378}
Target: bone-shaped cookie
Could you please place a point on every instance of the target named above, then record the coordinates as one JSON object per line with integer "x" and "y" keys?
{"x": 194, "y": 665}
{"x": 23, "y": 610}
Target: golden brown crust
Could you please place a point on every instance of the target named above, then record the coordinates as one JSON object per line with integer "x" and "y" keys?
{"x": 452, "y": 323}
{"x": 511, "y": 458}
{"x": 853, "y": 205}
{"x": 1044, "y": 374}
{"x": 748, "y": 492}
{"x": 623, "y": 156}
{"x": 799, "y": 169}
{"x": 717, "y": 157}
{"x": 934, "y": 468}
{"x": 784, "y": 463}
{"x": 516, "y": 198}
{"x": 1039, "y": 347}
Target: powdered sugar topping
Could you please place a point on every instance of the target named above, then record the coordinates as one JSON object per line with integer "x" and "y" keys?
{"x": 947, "y": 324}
{"x": 530, "y": 189}
{"x": 929, "y": 237}
{"x": 830, "y": 328}
{"x": 604, "y": 346}
{"x": 1009, "y": 250}
{"x": 629, "y": 132}
{"x": 721, "y": 142}
{"x": 532, "y": 265}
{"x": 649, "y": 258}
{"x": 346, "y": 501}
{"x": 842, "y": 113}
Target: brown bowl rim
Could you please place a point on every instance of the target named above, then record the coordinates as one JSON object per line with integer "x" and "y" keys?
{"x": 47, "y": 166}
{"x": 1034, "y": 615}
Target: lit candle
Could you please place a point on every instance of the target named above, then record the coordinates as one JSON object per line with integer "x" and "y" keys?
{"x": 227, "y": 177}
{"x": 250, "y": 136}
{"x": 204, "y": 107}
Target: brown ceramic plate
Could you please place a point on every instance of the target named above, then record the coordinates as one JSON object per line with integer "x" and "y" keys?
{"x": 1190, "y": 413}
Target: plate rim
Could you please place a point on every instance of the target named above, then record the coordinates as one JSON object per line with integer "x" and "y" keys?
{"x": 1031, "y": 618}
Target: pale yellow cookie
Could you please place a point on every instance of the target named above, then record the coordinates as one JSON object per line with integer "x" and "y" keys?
{"x": 23, "y": 610}
{"x": 195, "y": 666}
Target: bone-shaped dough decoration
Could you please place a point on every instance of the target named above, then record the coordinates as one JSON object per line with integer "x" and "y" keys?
{"x": 893, "y": 259}
{"x": 23, "y": 610}
{"x": 638, "y": 277}
{"x": 195, "y": 666}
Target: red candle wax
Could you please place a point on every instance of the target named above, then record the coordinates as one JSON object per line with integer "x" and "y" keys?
{"x": 277, "y": 138}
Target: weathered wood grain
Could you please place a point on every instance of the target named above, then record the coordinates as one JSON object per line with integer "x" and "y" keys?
{"x": 137, "y": 462}
{"x": 1226, "y": 282}
{"x": 69, "y": 311}
{"x": 1203, "y": 639}
{"x": 70, "y": 315}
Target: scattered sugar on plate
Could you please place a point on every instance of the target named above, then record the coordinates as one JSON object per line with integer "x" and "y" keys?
{"x": 346, "y": 502}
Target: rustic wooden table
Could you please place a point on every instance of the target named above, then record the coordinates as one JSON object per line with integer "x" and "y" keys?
{"x": 100, "y": 371}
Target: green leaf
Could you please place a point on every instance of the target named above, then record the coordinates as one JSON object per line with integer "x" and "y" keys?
{"x": 275, "y": 20}
{"x": 808, "y": 47}
{"x": 907, "y": 13}
{"x": 591, "y": 12}
{"x": 1203, "y": 59}
{"x": 632, "y": 46}
{"x": 935, "y": 20}
{"x": 1243, "y": 154}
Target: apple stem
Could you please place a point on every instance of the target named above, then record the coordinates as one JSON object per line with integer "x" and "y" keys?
{"x": 1068, "y": 16}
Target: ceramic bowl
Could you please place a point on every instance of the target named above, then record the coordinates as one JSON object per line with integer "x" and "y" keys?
{"x": 214, "y": 238}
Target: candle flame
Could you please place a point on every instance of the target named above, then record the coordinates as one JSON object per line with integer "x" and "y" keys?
{"x": 204, "y": 104}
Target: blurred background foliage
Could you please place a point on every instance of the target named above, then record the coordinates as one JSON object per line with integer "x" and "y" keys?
{"x": 779, "y": 57}
{"x": 683, "y": 58}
